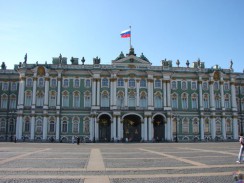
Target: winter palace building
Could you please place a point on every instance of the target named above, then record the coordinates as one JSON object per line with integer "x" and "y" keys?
{"x": 127, "y": 100}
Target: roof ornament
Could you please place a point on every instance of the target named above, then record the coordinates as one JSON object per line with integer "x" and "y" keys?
{"x": 83, "y": 60}
{"x": 187, "y": 63}
{"x": 25, "y": 59}
{"x": 231, "y": 64}
{"x": 178, "y": 63}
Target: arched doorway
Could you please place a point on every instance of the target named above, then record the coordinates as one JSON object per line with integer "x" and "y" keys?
{"x": 159, "y": 128}
{"x": 132, "y": 128}
{"x": 104, "y": 128}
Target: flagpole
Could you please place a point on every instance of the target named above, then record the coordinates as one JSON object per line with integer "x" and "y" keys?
{"x": 130, "y": 37}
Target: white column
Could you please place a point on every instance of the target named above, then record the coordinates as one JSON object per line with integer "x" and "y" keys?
{"x": 93, "y": 92}
{"x": 126, "y": 92}
{"x": 57, "y": 128}
{"x": 223, "y": 128}
{"x": 98, "y": 92}
{"x": 200, "y": 95}
{"x": 96, "y": 129}
{"x": 32, "y": 127}
{"x": 142, "y": 130}
{"x": 168, "y": 131}
{"x": 20, "y": 127}
{"x": 150, "y": 125}
{"x": 46, "y": 92}
{"x": 233, "y": 96}
{"x": 137, "y": 93}
{"x": 44, "y": 130}
{"x": 114, "y": 127}
{"x": 120, "y": 128}
{"x": 21, "y": 91}
{"x": 59, "y": 92}
{"x": 145, "y": 129}
{"x": 150, "y": 93}
{"x": 212, "y": 103}
{"x": 202, "y": 128}
{"x": 91, "y": 127}
{"x": 235, "y": 128}
{"x": 213, "y": 128}
{"x": 34, "y": 92}
{"x": 164, "y": 93}
{"x": 222, "y": 95}
{"x": 112, "y": 92}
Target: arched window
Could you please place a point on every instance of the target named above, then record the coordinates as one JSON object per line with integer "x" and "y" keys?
{"x": 217, "y": 101}
{"x": 132, "y": 99}
{"x": 13, "y": 86}
{"x": 105, "y": 99}
{"x": 194, "y": 101}
{"x": 218, "y": 126}
{"x": 64, "y": 128}
{"x": 174, "y": 101}
{"x": 216, "y": 85}
{"x": 75, "y": 125}
{"x": 76, "y": 99}
{"x": 27, "y": 124}
{"x": 88, "y": 83}
{"x": 53, "y": 82}
{"x": 52, "y": 125}
{"x": 157, "y": 83}
{"x": 65, "y": 98}
{"x": 143, "y": 100}
{"x": 86, "y": 127}
{"x": 4, "y": 101}
{"x": 185, "y": 126}
{"x": 39, "y": 98}
{"x": 120, "y": 99}
{"x": 184, "y": 99}
{"x": 227, "y": 101}
{"x": 12, "y": 104}
{"x": 226, "y": 86}
{"x": 158, "y": 103}
{"x": 193, "y": 85}
{"x": 206, "y": 125}
{"x": 52, "y": 99}
{"x": 173, "y": 85}
{"x": 29, "y": 82}
{"x": 87, "y": 99}
{"x": 205, "y": 86}
{"x": 104, "y": 82}
{"x": 184, "y": 85}
{"x": 77, "y": 83}
{"x": 66, "y": 83}
{"x": 41, "y": 82}
{"x": 39, "y": 125}
{"x": 228, "y": 126}
{"x": 205, "y": 101}
{"x": 28, "y": 98}
{"x": 195, "y": 126}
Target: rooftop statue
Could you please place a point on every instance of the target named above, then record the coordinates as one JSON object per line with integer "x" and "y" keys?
{"x": 3, "y": 66}
{"x": 25, "y": 59}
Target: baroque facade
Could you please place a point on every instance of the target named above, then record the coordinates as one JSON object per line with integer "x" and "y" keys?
{"x": 128, "y": 99}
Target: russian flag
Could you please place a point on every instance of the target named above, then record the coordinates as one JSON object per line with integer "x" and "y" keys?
{"x": 125, "y": 34}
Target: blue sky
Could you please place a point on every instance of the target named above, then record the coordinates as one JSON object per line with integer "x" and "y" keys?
{"x": 211, "y": 30}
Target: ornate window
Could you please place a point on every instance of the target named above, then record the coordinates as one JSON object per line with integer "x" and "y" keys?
{"x": 132, "y": 83}
{"x": 194, "y": 101}
{"x": 120, "y": 99}
{"x": 157, "y": 83}
{"x": 143, "y": 100}
{"x": 77, "y": 83}
{"x": 195, "y": 126}
{"x": 41, "y": 82}
{"x": 4, "y": 86}
{"x": 52, "y": 99}
{"x": 143, "y": 83}
{"x": 53, "y": 83}
{"x": 105, "y": 99}
{"x": 227, "y": 101}
{"x": 132, "y": 99}
{"x": 226, "y": 86}
{"x": 39, "y": 98}
{"x": 158, "y": 103}
{"x": 184, "y": 99}
{"x": 86, "y": 126}
{"x": 104, "y": 82}
{"x": 2, "y": 125}
{"x": 66, "y": 83}
{"x": 174, "y": 125}
{"x": 185, "y": 126}
{"x": 65, "y": 98}
{"x": 87, "y": 83}
{"x": 216, "y": 85}
{"x": 11, "y": 125}
{"x": 193, "y": 85}
{"x": 228, "y": 125}
{"x": 14, "y": 86}
{"x": 120, "y": 82}
{"x": 217, "y": 101}
{"x": 205, "y": 86}
{"x": 76, "y": 99}
{"x": 28, "y": 98}
{"x": 184, "y": 85}
{"x": 12, "y": 104}
{"x": 174, "y": 85}
{"x": 64, "y": 127}
{"x": 27, "y": 124}
{"x": 205, "y": 101}
{"x": 218, "y": 126}
{"x": 75, "y": 125}
{"x": 87, "y": 99}
{"x": 174, "y": 98}
{"x": 52, "y": 125}
{"x": 4, "y": 101}
{"x": 206, "y": 125}
{"x": 39, "y": 125}
{"x": 29, "y": 82}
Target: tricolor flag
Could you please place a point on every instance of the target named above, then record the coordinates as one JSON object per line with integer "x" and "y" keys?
{"x": 126, "y": 33}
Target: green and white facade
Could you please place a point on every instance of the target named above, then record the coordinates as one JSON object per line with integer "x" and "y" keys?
{"x": 127, "y": 99}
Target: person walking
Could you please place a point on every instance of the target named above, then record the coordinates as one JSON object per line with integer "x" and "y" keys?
{"x": 241, "y": 140}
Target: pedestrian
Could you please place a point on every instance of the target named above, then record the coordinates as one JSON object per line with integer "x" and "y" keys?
{"x": 78, "y": 140}
{"x": 241, "y": 140}
{"x": 73, "y": 139}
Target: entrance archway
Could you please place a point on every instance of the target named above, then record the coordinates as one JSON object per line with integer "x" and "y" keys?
{"x": 104, "y": 128}
{"x": 159, "y": 128}
{"x": 132, "y": 128}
